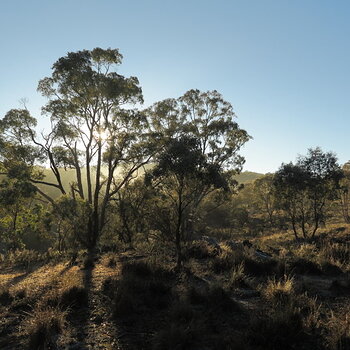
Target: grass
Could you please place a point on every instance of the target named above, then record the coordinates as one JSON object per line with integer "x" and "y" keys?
{"x": 238, "y": 277}
{"x": 279, "y": 291}
{"x": 43, "y": 326}
{"x": 338, "y": 337}
{"x": 141, "y": 288}
{"x": 154, "y": 307}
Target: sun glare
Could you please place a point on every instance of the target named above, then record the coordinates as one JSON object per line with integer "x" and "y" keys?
{"x": 101, "y": 135}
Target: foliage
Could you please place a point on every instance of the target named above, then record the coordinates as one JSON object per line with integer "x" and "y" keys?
{"x": 304, "y": 188}
{"x": 89, "y": 129}
{"x": 183, "y": 176}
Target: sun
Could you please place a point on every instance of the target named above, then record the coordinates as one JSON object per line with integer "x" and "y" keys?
{"x": 101, "y": 135}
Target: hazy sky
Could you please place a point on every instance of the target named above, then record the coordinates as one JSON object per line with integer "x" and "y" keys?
{"x": 284, "y": 65}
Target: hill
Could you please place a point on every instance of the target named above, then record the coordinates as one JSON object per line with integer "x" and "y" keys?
{"x": 247, "y": 177}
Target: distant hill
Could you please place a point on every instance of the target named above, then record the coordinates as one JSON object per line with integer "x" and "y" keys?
{"x": 247, "y": 177}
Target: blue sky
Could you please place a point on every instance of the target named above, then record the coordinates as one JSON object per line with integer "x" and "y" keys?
{"x": 284, "y": 65}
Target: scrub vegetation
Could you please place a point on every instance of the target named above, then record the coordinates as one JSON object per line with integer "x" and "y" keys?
{"x": 123, "y": 227}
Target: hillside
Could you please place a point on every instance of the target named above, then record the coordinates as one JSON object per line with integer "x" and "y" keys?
{"x": 268, "y": 294}
{"x": 247, "y": 177}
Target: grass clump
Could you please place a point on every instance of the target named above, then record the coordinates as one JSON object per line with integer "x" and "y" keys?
{"x": 200, "y": 250}
{"x": 43, "y": 327}
{"x": 293, "y": 323}
{"x": 279, "y": 291}
{"x": 338, "y": 337}
{"x": 238, "y": 278}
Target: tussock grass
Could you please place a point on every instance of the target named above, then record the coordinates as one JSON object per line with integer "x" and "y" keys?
{"x": 338, "y": 337}
{"x": 200, "y": 250}
{"x": 43, "y": 326}
{"x": 279, "y": 290}
{"x": 293, "y": 323}
{"x": 238, "y": 277}
{"x": 337, "y": 254}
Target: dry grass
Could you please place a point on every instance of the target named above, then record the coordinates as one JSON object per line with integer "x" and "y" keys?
{"x": 279, "y": 290}
{"x": 238, "y": 277}
{"x": 338, "y": 337}
{"x": 43, "y": 326}
{"x": 68, "y": 291}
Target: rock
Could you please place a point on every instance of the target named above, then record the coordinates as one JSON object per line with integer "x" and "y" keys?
{"x": 262, "y": 255}
{"x": 234, "y": 245}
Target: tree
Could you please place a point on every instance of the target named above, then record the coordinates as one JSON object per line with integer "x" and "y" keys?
{"x": 265, "y": 195}
{"x": 90, "y": 132}
{"x": 344, "y": 192}
{"x": 182, "y": 174}
{"x": 304, "y": 188}
{"x": 132, "y": 209}
{"x": 208, "y": 118}
{"x": 205, "y": 127}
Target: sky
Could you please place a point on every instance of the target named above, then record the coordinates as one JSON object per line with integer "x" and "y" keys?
{"x": 283, "y": 65}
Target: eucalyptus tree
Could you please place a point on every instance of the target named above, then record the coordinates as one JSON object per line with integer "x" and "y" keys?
{"x": 93, "y": 131}
{"x": 265, "y": 196}
{"x": 208, "y": 118}
{"x": 181, "y": 173}
{"x": 303, "y": 190}
{"x": 344, "y": 195}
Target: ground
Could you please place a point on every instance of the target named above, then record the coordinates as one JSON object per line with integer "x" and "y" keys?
{"x": 137, "y": 300}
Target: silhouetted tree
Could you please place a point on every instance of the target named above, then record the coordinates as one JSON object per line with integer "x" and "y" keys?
{"x": 304, "y": 188}
{"x": 90, "y": 129}
{"x": 182, "y": 175}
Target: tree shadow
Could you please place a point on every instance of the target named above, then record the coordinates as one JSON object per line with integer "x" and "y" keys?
{"x": 80, "y": 315}
{"x": 25, "y": 274}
